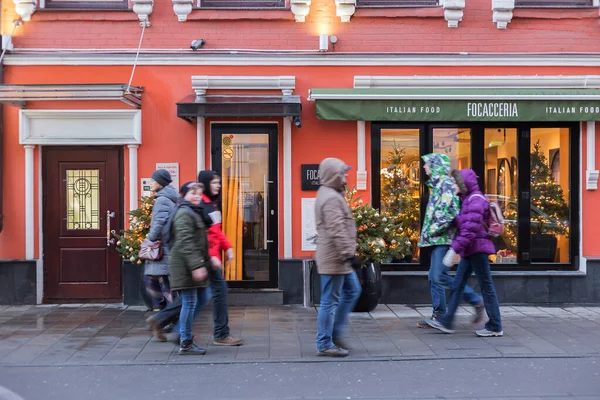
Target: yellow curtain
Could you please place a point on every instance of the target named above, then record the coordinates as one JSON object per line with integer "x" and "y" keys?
{"x": 232, "y": 211}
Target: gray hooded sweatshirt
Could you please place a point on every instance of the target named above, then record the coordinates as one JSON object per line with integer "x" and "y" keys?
{"x": 336, "y": 229}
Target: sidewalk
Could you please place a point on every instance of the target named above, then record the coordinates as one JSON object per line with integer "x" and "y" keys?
{"x": 97, "y": 334}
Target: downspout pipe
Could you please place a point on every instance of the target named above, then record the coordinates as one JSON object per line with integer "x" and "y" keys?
{"x": 1, "y": 153}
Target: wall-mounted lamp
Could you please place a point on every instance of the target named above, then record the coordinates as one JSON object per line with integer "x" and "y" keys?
{"x": 323, "y": 42}
{"x": 297, "y": 121}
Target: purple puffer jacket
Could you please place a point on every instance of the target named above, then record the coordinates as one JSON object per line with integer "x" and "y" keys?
{"x": 472, "y": 235}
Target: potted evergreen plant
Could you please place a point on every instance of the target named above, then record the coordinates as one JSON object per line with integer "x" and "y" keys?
{"x": 128, "y": 245}
{"x": 381, "y": 238}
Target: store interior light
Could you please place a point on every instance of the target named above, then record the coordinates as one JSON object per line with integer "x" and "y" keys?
{"x": 323, "y": 42}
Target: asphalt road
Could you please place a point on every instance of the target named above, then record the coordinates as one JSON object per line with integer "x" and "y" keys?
{"x": 501, "y": 378}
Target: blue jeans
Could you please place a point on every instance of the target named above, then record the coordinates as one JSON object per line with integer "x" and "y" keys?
{"x": 218, "y": 288}
{"x": 334, "y": 310}
{"x": 192, "y": 302}
{"x": 440, "y": 280}
{"x": 480, "y": 264}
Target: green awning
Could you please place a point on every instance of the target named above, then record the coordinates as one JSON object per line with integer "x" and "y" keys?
{"x": 468, "y": 104}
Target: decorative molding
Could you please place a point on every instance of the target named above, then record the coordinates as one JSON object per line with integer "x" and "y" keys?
{"x": 150, "y": 57}
{"x": 507, "y": 81}
{"x": 80, "y": 127}
{"x": 591, "y": 173}
{"x": 201, "y": 84}
{"x": 502, "y": 12}
{"x": 143, "y": 9}
{"x": 300, "y": 9}
{"x": 182, "y": 9}
{"x": 25, "y": 8}
{"x": 361, "y": 153}
{"x": 453, "y": 12}
{"x": 287, "y": 188}
{"x": 29, "y": 201}
{"x": 133, "y": 176}
{"x": 345, "y": 9}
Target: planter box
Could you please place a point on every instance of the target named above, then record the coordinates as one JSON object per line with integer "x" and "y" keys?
{"x": 134, "y": 292}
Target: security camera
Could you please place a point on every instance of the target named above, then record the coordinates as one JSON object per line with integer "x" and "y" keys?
{"x": 298, "y": 122}
{"x": 196, "y": 44}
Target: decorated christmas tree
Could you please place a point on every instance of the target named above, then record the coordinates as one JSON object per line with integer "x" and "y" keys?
{"x": 547, "y": 196}
{"x": 381, "y": 237}
{"x": 129, "y": 241}
{"x": 400, "y": 196}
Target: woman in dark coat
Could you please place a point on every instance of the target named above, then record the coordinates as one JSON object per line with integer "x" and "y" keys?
{"x": 156, "y": 273}
{"x": 189, "y": 263}
{"x": 474, "y": 245}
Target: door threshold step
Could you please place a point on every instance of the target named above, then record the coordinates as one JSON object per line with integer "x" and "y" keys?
{"x": 255, "y": 297}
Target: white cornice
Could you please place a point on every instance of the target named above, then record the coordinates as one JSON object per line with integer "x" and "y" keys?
{"x": 454, "y": 60}
{"x": 200, "y": 84}
{"x": 507, "y": 81}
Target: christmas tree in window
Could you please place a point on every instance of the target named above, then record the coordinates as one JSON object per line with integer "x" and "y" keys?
{"x": 546, "y": 196}
{"x": 400, "y": 195}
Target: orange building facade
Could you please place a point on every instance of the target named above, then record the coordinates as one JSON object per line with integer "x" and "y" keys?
{"x": 96, "y": 95}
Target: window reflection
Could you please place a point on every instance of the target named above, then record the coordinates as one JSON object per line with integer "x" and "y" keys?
{"x": 501, "y": 173}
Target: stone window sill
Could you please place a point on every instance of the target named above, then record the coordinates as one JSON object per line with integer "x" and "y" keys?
{"x": 84, "y": 15}
{"x": 420, "y": 12}
{"x": 200, "y": 14}
{"x": 556, "y": 13}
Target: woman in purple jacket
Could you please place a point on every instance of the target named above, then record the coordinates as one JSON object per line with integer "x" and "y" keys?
{"x": 473, "y": 244}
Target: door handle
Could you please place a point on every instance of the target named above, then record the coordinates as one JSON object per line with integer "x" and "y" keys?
{"x": 109, "y": 232}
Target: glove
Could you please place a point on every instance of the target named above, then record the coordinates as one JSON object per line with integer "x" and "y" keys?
{"x": 355, "y": 262}
{"x": 448, "y": 260}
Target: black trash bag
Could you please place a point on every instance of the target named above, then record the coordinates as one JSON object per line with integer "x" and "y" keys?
{"x": 369, "y": 277}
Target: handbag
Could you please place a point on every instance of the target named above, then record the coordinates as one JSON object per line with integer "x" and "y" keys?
{"x": 150, "y": 250}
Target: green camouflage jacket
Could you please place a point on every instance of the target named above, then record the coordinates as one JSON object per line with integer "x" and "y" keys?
{"x": 443, "y": 203}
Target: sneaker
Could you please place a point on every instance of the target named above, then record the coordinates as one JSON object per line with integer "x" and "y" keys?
{"x": 167, "y": 328}
{"x": 334, "y": 351}
{"x": 341, "y": 343}
{"x": 487, "y": 333}
{"x": 188, "y": 347}
{"x": 423, "y": 323}
{"x": 228, "y": 341}
{"x": 156, "y": 330}
{"x": 479, "y": 308}
{"x": 438, "y": 325}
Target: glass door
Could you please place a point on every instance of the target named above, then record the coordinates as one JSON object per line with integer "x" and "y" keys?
{"x": 246, "y": 158}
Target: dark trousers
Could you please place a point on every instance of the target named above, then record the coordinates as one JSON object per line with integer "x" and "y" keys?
{"x": 218, "y": 288}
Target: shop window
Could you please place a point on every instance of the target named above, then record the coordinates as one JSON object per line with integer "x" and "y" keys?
{"x": 400, "y": 181}
{"x": 396, "y": 3}
{"x": 529, "y": 171}
{"x": 500, "y": 184}
{"x": 550, "y": 186}
{"x": 554, "y": 3}
{"x": 241, "y": 4}
{"x": 87, "y": 4}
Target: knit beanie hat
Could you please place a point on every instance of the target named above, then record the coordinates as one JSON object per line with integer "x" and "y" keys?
{"x": 162, "y": 177}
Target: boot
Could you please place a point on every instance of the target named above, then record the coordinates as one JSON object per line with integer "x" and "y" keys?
{"x": 187, "y": 347}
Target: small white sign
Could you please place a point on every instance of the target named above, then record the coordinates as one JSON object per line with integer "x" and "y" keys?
{"x": 146, "y": 186}
{"x": 309, "y": 225}
{"x": 173, "y": 169}
{"x": 361, "y": 180}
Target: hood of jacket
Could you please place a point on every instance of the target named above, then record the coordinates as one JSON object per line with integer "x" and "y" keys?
{"x": 332, "y": 173}
{"x": 205, "y": 177}
{"x": 169, "y": 192}
{"x": 439, "y": 166}
{"x": 466, "y": 180}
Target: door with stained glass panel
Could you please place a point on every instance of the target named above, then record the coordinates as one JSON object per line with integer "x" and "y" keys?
{"x": 82, "y": 198}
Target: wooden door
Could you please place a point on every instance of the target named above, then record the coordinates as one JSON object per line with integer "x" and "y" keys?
{"x": 82, "y": 204}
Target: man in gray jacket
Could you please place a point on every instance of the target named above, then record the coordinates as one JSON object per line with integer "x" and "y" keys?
{"x": 335, "y": 256}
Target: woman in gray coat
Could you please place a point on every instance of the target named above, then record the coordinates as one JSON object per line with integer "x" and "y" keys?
{"x": 156, "y": 273}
